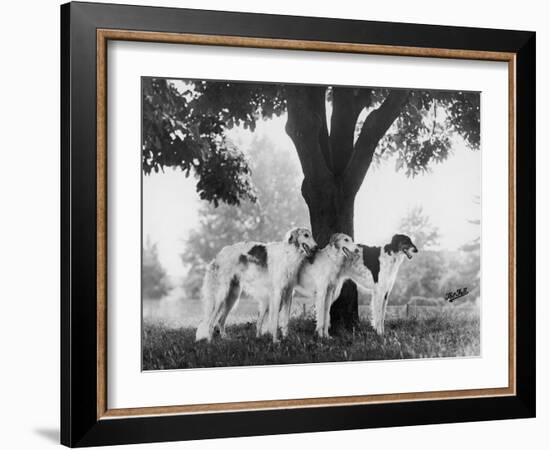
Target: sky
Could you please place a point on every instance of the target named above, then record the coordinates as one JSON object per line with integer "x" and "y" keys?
{"x": 447, "y": 193}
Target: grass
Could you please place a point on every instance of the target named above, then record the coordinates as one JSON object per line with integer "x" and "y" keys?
{"x": 432, "y": 337}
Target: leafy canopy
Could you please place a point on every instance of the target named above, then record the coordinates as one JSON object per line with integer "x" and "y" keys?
{"x": 185, "y": 125}
{"x": 424, "y": 130}
{"x": 186, "y": 129}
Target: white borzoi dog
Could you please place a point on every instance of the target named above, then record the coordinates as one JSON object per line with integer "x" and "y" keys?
{"x": 376, "y": 270}
{"x": 266, "y": 272}
{"x": 319, "y": 276}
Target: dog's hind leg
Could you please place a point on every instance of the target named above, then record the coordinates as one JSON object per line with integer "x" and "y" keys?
{"x": 209, "y": 297}
{"x": 263, "y": 307}
{"x": 229, "y": 302}
{"x": 213, "y": 320}
{"x": 205, "y": 329}
{"x": 286, "y": 306}
{"x": 215, "y": 293}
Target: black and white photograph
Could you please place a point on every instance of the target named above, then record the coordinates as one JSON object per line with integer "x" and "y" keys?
{"x": 294, "y": 223}
{"x": 275, "y": 225}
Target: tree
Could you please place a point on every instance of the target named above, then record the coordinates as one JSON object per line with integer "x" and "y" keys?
{"x": 472, "y": 269}
{"x": 433, "y": 272}
{"x": 278, "y": 207}
{"x": 154, "y": 279}
{"x": 416, "y": 224}
{"x": 423, "y": 276}
{"x": 186, "y": 127}
{"x": 178, "y": 132}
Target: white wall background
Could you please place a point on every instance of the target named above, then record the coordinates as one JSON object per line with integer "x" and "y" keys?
{"x": 29, "y": 224}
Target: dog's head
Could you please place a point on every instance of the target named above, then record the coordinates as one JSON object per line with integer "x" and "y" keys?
{"x": 403, "y": 243}
{"x": 344, "y": 244}
{"x": 303, "y": 240}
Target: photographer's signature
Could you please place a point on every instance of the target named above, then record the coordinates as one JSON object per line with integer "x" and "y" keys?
{"x": 453, "y": 295}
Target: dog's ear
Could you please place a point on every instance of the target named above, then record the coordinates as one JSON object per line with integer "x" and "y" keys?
{"x": 399, "y": 241}
{"x": 406, "y": 241}
{"x": 292, "y": 236}
{"x": 403, "y": 239}
{"x": 334, "y": 241}
{"x": 394, "y": 244}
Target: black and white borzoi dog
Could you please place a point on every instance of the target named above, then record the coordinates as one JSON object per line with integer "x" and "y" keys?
{"x": 376, "y": 270}
{"x": 319, "y": 277}
{"x": 266, "y": 272}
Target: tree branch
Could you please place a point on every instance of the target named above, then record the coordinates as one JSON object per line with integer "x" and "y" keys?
{"x": 375, "y": 126}
{"x": 324, "y": 141}
{"x": 347, "y": 104}
{"x": 306, "y": 126}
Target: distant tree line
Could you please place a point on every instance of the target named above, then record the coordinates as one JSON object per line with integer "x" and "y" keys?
{"x": 432, "y": 272}
{"x": 154, "y": 280}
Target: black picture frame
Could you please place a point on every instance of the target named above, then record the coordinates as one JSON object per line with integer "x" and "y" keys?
{"x": 80, "y": 425}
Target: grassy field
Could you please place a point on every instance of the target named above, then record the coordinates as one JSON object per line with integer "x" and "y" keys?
{"x": 445, "y": 335}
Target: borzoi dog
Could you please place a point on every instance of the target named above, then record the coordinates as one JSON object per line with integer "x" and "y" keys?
{"x": 266, "y": 272}
{"x": 319, "y": 276}
{"x": 376, "y": 270}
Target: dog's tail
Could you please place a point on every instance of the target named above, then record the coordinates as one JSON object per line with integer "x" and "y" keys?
{"x": 209, "y": 286}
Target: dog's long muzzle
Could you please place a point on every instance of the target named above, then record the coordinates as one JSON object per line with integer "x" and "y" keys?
{"x": 347, "y": 252}
{"x": 308, "y": 251}
{"x": 408, "y": 251}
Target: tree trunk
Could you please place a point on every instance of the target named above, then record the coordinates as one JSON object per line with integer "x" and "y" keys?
{"x": 333, "y": 166}
{"x": 331, "y": 211}
{"x": 344, "y": 313}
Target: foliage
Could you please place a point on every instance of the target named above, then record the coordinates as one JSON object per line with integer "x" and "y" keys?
{"x": 422, "y": 276}
{"x": 432, "y": 273}
{"x": 433, "y": 337}
{"x": 278, "y": 208}
{"x": 154, "y": 279}
{"x": 423, "y": 132}
{"x": 416, "y": 224}
{"x": 472, "y": 267}
{"x": 186, "y": 126}
{"x": 471, "y": 270}
{"x": 181, "y": 130}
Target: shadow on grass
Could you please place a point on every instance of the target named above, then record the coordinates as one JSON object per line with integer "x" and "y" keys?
{"x": 434, "y": 337}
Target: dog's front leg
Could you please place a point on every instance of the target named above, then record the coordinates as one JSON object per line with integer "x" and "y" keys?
{"x": 374, "y": 309}
{"x": 320, "y": 313}
{"x": 328, "y": 303}
{"x": 385, "y": 300}
{"x": 274, "y": 309}
{"x": 377, "y": 309}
